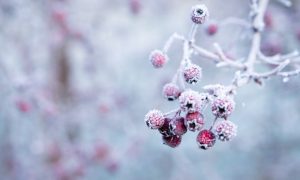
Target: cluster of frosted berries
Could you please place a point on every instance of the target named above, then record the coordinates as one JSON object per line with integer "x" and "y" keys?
{"x": 189, "y": 117}
{"x": 192, "y": 104}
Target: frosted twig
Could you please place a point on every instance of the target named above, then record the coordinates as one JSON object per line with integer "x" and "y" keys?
{"x": 170, "y": 41}
{"x": 274, "y": 71}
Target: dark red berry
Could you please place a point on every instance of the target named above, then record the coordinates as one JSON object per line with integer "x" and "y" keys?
{"x": 178, "y": 127}
{"x": 206, "y": 139}
{"x": 172, "y": 141}
{"x": 165, "y": 129}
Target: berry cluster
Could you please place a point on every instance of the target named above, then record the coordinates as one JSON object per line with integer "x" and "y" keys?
{"x": 189, "y": 115}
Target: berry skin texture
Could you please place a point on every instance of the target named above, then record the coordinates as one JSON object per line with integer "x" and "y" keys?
{"x": 206, "y": 139}
{"x": 177, "y": 126}
{"x": 223, "y": 107}
{"x": 191, "y": 101}
{"x": 192, "y": 73}
{"x": 154, "y": 119}
{"x": 165, "y": 129}
{"x": 225, "y": 130}
{"x": 194, "y": 121}
{"x": 158, "y": 58}
{"x": 199, "y": 14}
{"x": 212, "y": 29}
{"x": 171, "y": 91}
{"x": 172, "y": 141}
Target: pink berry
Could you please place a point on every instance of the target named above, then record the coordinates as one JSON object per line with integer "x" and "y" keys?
{"x": 158, "y": 58}
{"x": 223, "y": 107}
{"x": 199, "y": 14}
{"x": 23, "y": 106}
{"x": 154, "y": 119}
{"x": 172, "y": 141}
{"x": 171, "y": 91}
{"x": 165, "y": 129}
{"x": 192, "y": 73}
{"x": 177, "y": 126}
{"x": 212, "y": 29}
{"x": 225, "y": 130}
{"x": 206, "y": 139}
{"x": 135, "y": 6}
{"x": 194, "y": 121}
{"x": 192, "y": 101}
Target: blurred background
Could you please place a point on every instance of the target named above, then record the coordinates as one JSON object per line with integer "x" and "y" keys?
{"x": 76, "y": 82}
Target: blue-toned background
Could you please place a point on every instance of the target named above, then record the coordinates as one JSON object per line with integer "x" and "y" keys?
{"x": 76, "y": 82}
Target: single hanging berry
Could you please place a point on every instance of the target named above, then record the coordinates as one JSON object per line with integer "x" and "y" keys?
{"x": 158, "y": 58}
{"x": 199, "y": 14}
{"x": 206, "y": 139}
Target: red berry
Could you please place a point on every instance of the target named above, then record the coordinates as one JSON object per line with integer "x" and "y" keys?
{"x": 172, "y": 141}
{"x": 212, "y": 29}
{"x": 194, "y": 121}
{"x": 165, "y": 129}
{"x": 23, "y": 106}
{"x": 206, "y": 139}
{"x": 178, "y": 127}
{"x": 171, "y": 91}
{"x": 158, "y": 58}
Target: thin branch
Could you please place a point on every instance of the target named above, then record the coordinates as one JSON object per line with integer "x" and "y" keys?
{"x": 170, "y": 41}
{"x": 274, "y": 71}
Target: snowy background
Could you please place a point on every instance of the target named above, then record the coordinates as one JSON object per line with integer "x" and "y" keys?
{"x": 76, "y": 82}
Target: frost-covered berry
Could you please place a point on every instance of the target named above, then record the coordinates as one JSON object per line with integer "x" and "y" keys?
{"x": 199, "y": 14}
{"x": 212, "y": 29}
{"x": 158, "y": 58}
{"x": 192, "y": 73}
{"x": 177, "y": 126}
{"x": 154, "y": 119}
{"x": 225, "y": 130}
{"x": 194, "y": 121}
{"x": 171, "y": 91}
{"x": 222, "y": 107}
{"x": 206, "y": 139}
{"x": 192, "y": 101}
{"x": 165, "y": 129}
{"x": 172, "y": 141}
